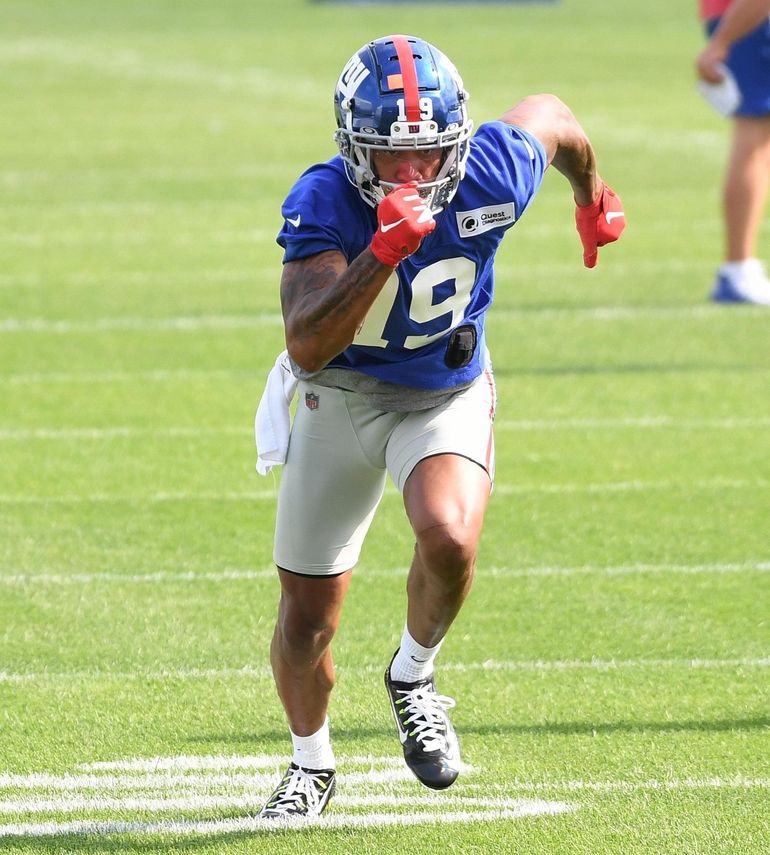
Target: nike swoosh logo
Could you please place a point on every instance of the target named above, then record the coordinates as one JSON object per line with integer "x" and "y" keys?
{"x": 386, "y": 228}
{"x": 402, "y": 735}
{"x": 613, "y": 215}
{"x": 295, "y": 220}
{"x": 415, "y": 659}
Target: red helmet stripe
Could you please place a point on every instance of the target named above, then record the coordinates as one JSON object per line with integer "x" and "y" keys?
{"x": 409, "y": 77}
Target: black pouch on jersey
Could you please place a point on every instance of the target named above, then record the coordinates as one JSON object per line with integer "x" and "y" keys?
{"x": 462, "y": 344}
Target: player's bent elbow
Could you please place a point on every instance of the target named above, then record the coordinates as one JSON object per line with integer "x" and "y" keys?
{"x": 306, "y": 356}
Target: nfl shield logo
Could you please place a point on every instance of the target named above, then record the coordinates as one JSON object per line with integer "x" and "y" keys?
{"x": 311, "y": 400}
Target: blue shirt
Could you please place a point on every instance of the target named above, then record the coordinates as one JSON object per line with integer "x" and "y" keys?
{"x": 448, "y": 282}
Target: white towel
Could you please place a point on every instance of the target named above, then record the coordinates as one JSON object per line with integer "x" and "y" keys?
{"x": 273, "y": 421}
{"x": 725, "y": 97}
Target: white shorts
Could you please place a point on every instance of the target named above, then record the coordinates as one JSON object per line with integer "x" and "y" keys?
{"x": 340, "y": 451}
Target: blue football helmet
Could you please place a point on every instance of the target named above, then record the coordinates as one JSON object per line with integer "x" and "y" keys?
{"x": 401, "y": 92}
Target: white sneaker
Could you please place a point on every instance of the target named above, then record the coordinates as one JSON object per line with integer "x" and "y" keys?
{"x": 742, "y": 282}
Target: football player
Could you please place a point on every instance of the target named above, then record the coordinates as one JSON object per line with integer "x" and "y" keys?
{"x": 389, "y": 250}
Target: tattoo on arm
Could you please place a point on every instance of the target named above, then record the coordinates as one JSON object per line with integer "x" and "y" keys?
{"x": 325, "y": 301}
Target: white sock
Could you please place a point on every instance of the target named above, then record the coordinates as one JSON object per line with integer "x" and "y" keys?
{"x": 737, "y": 269}
{"x": 412, "y": 661}
{"x": 314, "y": 751}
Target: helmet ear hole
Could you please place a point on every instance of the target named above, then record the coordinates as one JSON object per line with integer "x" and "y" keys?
{"x": 400, "y": 91}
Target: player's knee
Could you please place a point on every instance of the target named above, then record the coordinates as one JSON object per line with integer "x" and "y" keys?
{"x": 303, "y": 636}
{"x": 448, "y": 549}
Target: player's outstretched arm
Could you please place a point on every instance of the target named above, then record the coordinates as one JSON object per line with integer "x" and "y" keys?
{"x": 599, "y": 214}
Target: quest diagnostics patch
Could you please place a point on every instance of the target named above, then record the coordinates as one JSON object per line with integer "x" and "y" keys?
{"x": 471, "y": 223}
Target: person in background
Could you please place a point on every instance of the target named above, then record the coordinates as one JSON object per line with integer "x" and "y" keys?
{"x": 739, "y": 32}
{"x": 387, "y": 277}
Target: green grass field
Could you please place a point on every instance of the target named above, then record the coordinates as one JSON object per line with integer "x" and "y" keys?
{"x": 612, "y": 665}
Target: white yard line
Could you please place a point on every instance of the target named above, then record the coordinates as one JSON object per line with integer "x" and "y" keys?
{"x": 202, "y": 801}
{"x": 155, "y": 578}
{"x": 248, "y": 575}
{"x": 150, "y": 499}
{"x": 607, "y": 664}
{"x": 199, "y": 802}
{"x": 156, "y": 376}
{"x": 137, "y": 278}
{"x": 185, "y": 784}
{"x": 642, "y": 422}
{"x": 117, "y": 432}
{"x": 169, "y": 324}
{"x": 246, "y": 672}
{"x": 134, "y": 237}
{"x": 626, "y": 569}
{"x": 731, "y": 782}
{"x": 250, "y": 825}
{"x": 250, "y": 672}
{"x": 219, "y": 171}
{"x": 701, "y": 485}
{"x": 599, "y": 313}
{"x": 704, "y": 485}
{"x": 122, "y": 431}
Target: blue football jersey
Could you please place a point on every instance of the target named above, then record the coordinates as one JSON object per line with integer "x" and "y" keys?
{"x": 448, "y": 282}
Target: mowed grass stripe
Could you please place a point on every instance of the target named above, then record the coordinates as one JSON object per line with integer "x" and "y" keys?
{"x": 220, "y": 761}
{"x": 142, "y": 67}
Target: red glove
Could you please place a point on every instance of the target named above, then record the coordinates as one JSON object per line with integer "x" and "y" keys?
{"x": 599, "y": 223}
{"x": 404, "y": 220}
